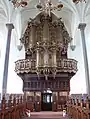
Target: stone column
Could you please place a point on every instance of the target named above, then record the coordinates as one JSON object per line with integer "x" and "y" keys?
{"x": 5, "y": 73}
{"x": 82, "y": 27}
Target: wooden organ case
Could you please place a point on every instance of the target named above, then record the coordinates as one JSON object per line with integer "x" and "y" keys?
{"x": 46, "y": 70}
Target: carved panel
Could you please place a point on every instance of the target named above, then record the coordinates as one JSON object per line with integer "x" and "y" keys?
{"x": 41, "y": 85}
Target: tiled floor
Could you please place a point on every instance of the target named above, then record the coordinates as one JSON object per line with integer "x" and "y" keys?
{"x": 47, "y": 115}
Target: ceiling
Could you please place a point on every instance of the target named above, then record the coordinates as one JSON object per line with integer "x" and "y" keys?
{"x": 71, "y": 14}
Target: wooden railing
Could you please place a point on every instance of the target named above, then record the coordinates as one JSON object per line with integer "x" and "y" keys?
{"x": 78, "y": 109}
{"x": 63, "y": 65}
{"x": 13, "y": 108}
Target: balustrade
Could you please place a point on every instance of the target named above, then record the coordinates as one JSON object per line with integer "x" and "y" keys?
{"x": 63, "y": 65}
{"x": 78, "y": 110}
{"x": 13, "y": 108}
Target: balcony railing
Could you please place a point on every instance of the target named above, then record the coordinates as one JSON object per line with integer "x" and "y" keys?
{"x": 25, "y": 66}
{"x": 67, "y": 65}
{"x": 29, "y": 66}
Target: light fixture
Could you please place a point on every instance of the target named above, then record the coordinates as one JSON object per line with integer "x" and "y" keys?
{"x": 47, "y": 7}
{"x": 72, "y": 47}
{"x": 19, "y": 47}
{"x": 77, "y": 1}
{"x": 18, "y": 3}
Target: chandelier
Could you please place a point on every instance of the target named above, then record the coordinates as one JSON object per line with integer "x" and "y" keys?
{"x": 77, "y": 1}
{"x": 18, "y": 3}
{"x": 48, "y": 6}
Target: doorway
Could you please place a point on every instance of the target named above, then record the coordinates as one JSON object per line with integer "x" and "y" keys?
{"x": 46, "y": 103}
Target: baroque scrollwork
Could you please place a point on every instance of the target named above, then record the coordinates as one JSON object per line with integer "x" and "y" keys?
{"x": 43, "y": 39}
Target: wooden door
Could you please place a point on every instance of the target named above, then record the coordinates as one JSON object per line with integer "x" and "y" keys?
{"x": 46, "y": 102}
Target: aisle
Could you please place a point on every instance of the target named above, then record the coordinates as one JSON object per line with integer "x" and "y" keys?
{"x": 47, "y": 115}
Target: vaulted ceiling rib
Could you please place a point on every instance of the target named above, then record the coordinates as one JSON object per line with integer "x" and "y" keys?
{"x": 78, "y": 13}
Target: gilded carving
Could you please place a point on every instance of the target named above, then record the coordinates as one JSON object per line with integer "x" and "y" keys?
{"x": 46, "y": 43}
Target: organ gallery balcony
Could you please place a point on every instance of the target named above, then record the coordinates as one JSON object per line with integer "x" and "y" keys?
{"x": 29, "y": 66}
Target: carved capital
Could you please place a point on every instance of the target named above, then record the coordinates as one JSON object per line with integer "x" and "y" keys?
{"x": 82, "y": 26}
{"x": 10, "y": 26}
